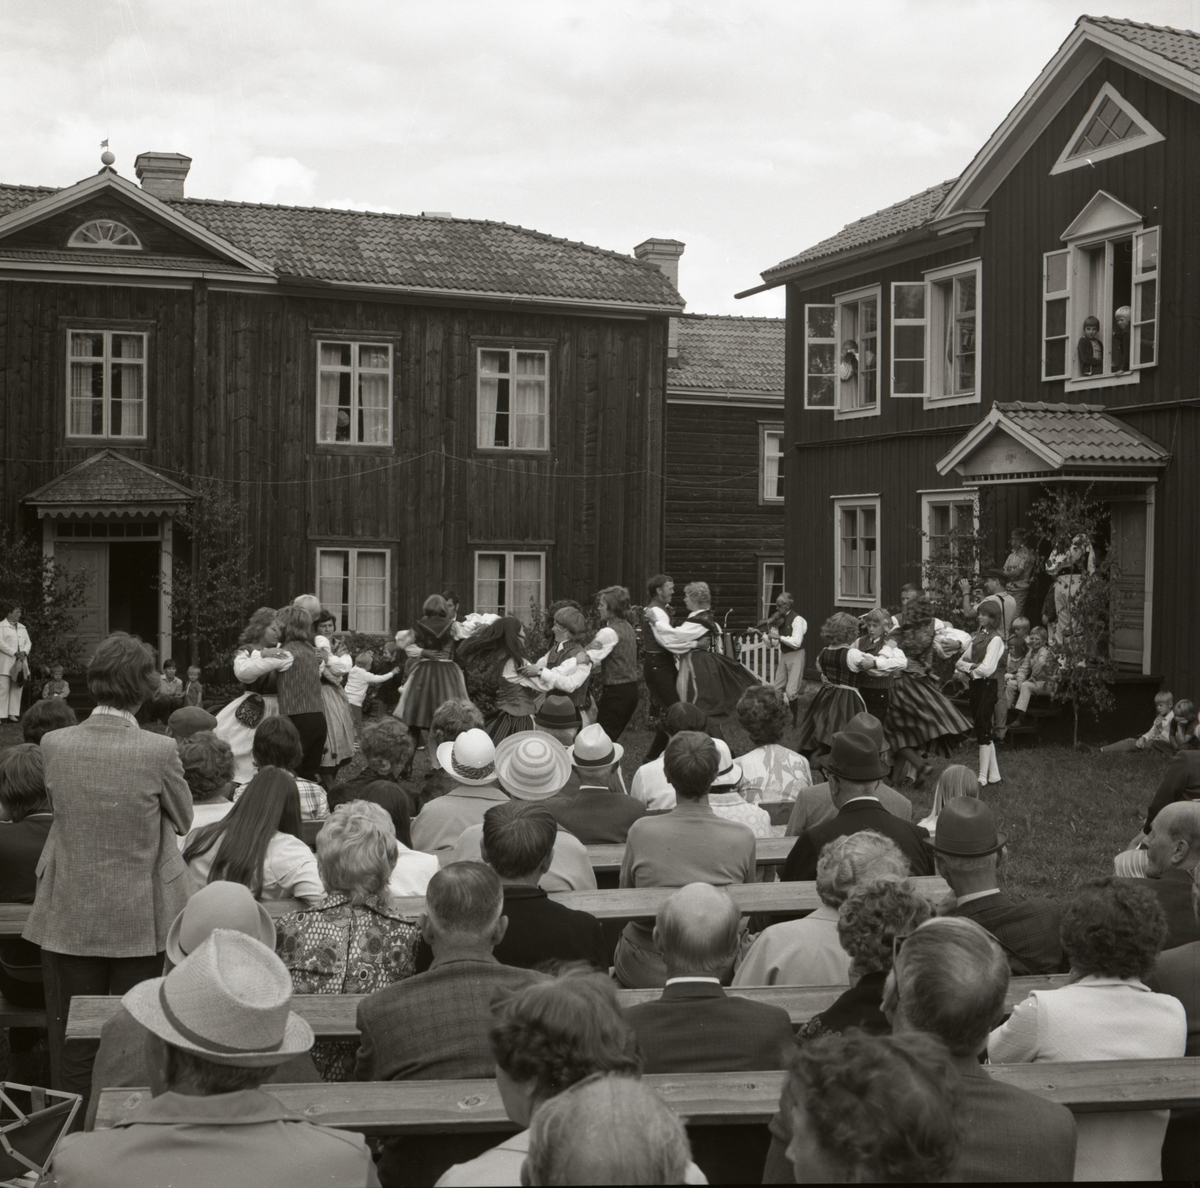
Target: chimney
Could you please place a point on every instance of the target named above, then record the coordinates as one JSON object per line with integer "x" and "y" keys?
{"x": 664, "y": 255}
{"x": 162, "y": 174}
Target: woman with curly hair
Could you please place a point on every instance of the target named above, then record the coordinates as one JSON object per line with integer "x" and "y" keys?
{"x": 771, "y": 772}
{"x": 838, "y": 698}
{"x": 1111, "y": 932}
{"x": 494, "y": 659}
{"x": 208, "y": 769}
{"x": 435, "y": 677}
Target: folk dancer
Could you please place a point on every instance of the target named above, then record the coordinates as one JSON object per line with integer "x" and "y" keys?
{"x": 658, "y": 663}
{"x": 982, "y": 663}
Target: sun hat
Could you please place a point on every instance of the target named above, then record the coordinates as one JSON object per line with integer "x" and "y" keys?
{"x": 189, "y": 720}
{"x": 966, "y": 828}
{"x": 593, "y": 748}
{"x": 532, "y": 765}
{"x": 470, "y": 758}
{"x": 557, "y": 712}
{"x": 218, "y": 905}
{"x": 855, "y": 757}
{"x": 729, "y": 774}
{"x": 227, "y": 1001}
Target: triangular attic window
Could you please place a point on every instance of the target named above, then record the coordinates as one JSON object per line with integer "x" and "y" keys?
{"x": 1112, "y": 126}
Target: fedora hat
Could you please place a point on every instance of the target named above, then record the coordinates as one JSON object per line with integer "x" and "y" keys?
{"x": 470, "y": 758}
{"x": 855, "y": 757}
{"x": 189, "y": 720}
{"x": 532, "y": 765}
{"x": 227, "y": 1001}
{"x": 729, "y": 774}
{"x": 966, "y": 828}
{"x": 868, "y": 724}
{"x": 218, "y": 905}
{"x": 593, "y": 748}
{"x": 556, "y": 712}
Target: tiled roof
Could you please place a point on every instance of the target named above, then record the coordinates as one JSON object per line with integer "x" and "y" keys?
{"x": 15, "y": 197}
{"x": 729, "y": 354}
{"x": 84, "y": 257}
{"x": 892, "y": 220}
{"x": 1180, "y": 46}
{"x": 1081, "y": 433}
{"x": 108, "y": 477}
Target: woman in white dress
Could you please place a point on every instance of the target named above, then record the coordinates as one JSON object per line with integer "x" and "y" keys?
{"x": 335, "y": 664}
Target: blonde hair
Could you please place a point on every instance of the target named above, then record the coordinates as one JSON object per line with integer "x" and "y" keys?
{"x": 357, "y": 850}
{"x": 699, "y": 592}
{"x": 954, "y": 782}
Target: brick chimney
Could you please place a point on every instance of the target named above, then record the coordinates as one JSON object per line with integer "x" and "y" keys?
{"x": 664, "y": 255}
{"x": 162, "y": 174}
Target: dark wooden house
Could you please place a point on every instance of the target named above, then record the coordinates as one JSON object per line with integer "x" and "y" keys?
{"x": 934, "y": 360}
{"x": 401, "y": 404}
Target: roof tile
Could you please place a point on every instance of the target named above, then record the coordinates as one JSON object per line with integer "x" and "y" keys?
{"x": 1082, "y": 433}
{"x": 1180, "y": 46}
{"x": 108, "y": 477}
{"x": 730, "y": 354}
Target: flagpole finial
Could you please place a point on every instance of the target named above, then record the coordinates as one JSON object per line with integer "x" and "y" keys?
{"x": 107, "y": 157}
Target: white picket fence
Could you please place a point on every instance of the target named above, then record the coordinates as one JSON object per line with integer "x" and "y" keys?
{"x": 758, "y": 654}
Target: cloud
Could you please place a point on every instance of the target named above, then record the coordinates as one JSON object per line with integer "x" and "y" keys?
{"x": 274, "y": 179}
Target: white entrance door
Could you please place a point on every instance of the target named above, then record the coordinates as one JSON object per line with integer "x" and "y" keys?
{"x": 1129, "y": 598}
{"x": 92, "y": 616}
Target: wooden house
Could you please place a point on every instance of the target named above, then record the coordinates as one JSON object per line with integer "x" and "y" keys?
{"x": 402, "y": 404}
{"x": 934, "y": 360}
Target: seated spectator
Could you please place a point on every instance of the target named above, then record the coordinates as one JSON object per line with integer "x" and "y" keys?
{"x": 814, "y": 805}
{"x": 771, "y": 772}
{"x": 56, "y": 687}
{"x": 871, "y": 1109}
{"x": 1112, "y": 933}
{"x": 950, "y": 982}
{"x": 608, "y": 1129}
{"x": 121, "y": 1060}
{"x": 258, "y": 843}
{"x": 44, "y": 716}
{"x": 695, "y": 1026}
{"x": 690, "y": 844}
{"x": 386, "y": 750}
{"x": 1177, "y": 972}
{"x": 277, "y": 744}
{"x": 208, "y": 769}
{"x": 1172, "y": 859}
{"x": 471, "y": 760}
{"x": 558, "y": 717}
{"x": 650, "y": 784}
{"x": 808, "y": 952}
{"x": 869, "y": 924}
{"x": 968, "y": 853}
{"x": 854, "y": 771}
{"x": 588, "y": 807}
{"x": 25, "y": 820}
{"x": 725, "y": 796}
{"x": 189, "y": 720}
{"x": 218, "y": 1025}
{"x": 955, "y": 781}
{"x": 1180, "y": 781}
{"x": 546, "y": 1038}
{"x": 413, "y": 868}
{"x": 450, "y": 719}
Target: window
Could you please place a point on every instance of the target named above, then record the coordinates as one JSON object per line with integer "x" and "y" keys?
{"x": 858, "y": 354}
{"x": 106, "y": 384}
{"x": 935, "y": 336}
{"x": 857, "y": 550}
{"x": 509, "y": 583}
{"x": 137, "y": 529}
{"x": 770, "y": 585}
{"x": 946, "y": 514}
{"x": 771, "y": 467}
{"x": 514, "y": 400}
{"x": 353, "y": 583}
{"x": 105, "y": 233}
{"x": 908, "y": 338}
{"x": 1112, "y": 126}
{"x": 354, "y": 393}
{"x": 820, "y": 353}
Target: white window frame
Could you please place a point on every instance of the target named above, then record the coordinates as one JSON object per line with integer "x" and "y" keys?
{"x": 937, "y": 314}
{"x": 480, "y": 376}
{"x": 1067, "y": 160}
{"x": 843, "y": 503}
{"x": 932, "y": 499}
{"x": 106, "y": 361}
{"x": 922, "y": 325}
{"x": 768, "y": 432}
{"x": 356, "y": 371}
{"x": 509, "y": 555}
{"x": 110, "y": 236}
{"x": 842, "y": 301}
{"x": 811, "y": 341}
{"x": 765, "y": 601}
{"x": 349, "y": 622}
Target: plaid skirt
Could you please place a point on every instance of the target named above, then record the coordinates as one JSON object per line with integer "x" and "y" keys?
{"x": 827, "y": 714}
{"x": 920, "y": 715}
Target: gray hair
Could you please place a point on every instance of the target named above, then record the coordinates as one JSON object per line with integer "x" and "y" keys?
{"x": 697, "y": 930}
{"x": 357, "y": 850}
{"x": 856, "y": 859}
{"x": 465, "y": 898}
{"x": 606, "y": 1129}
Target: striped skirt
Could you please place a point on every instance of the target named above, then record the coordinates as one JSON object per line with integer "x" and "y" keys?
{"x": 921, "y": 716}
{"x": 827, "y": 714}
{"x": 504, "y": 724}
{"x": 339, "y": 722}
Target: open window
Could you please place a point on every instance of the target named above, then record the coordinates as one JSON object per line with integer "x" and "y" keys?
{"x": 857, "y": 337}
{"x": 820, "y": 356}
{"x": 935, "y": 335}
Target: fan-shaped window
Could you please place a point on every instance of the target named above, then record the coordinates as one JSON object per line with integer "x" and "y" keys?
{"x": 105, "y": 233}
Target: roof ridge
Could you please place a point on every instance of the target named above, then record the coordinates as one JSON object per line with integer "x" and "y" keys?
{"x": 1140, "y": 25}
{"x": 695, "y": 317}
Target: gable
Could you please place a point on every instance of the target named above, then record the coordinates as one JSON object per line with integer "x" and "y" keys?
{"x": 1112, "y": 126}
{"x": 1102, "y": 214}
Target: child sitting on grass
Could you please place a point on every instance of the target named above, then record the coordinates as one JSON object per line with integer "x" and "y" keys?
{"x": 1158, "y": 737}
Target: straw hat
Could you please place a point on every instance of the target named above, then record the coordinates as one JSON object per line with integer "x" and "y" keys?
{"x": 557, "y": 712}
{"x": 593, "y": 748}
{"x": 532, "y": 765}
{"x": 218, "y": 905}
{"x": 228, "y": 1002}
{"x": 729, "y": 774}
{"x": 470, "y": 758}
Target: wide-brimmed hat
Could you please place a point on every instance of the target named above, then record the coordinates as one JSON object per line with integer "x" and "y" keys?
{"x": 729, "y": 774}
{"x": 557, "y": 712}
{"x": 189, "y": 720}
{"x": 855, "y": 757}
{"x": 966, "y": 828}
{"x": 470, "y": 758}
{"x": 532, "y": 765}
{"x": 227, "y": 1001}
{"x": 218, "y": 905}
{"x": 593, "y": 748}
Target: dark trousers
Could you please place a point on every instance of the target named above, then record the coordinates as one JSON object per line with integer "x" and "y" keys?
{"x": 312, "y": 729}
{"x": 616, "y": 707}
{"x": 982, "y": 697}
{"x": 660, "y": 671}
{"x": 23, "y": 994}
{"x": 65, "y": 976}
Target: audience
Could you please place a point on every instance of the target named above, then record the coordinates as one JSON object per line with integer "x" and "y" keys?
{"x": 258, "y": 843}
{"x": 414, "y": 868}
{"x": 1176, "y": 972}
{"x": 1172, "y": 859}
{"x": 808, "y": 951}
{"x": 189, "y": 720}
{"x": 955, "y": 781}
{"x": 725, "y": 795}
{"x": 207, "y": 763}
{"x": 695, "y": 1026}
{"x": 471, "y": 760}
{"x": 1180, "y": 781}
{"x": 386, "y": 749}
{"x": 771, "y": 772}
{"x": 51, "y": 713}
{"x": 968, "y": 851}
{"x": 1112, "y": 933}
{"x": 217, "y": 1026}
{"x": 587, "y": 806}
{"x": 277, "y": 744}
{"x": 650, "y": 784}
{"x": 854, "y": 771}
{"x": 450, "y": 719}
{"x": 690, "y": 844}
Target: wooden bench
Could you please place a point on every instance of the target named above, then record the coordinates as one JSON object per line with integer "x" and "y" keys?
{"x": 462, "y": 1107}
{"x": 12, "y": 1015}
{"x": 332, "y": 1016}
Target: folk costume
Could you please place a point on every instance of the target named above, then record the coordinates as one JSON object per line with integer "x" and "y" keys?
{"x": 435, "y": 677}
{"x": 708, "y": 679}
{"x": 615, "y": 650}
{"x": 237, "y": 722}
{"x": 567, "y": 668}
{"x": 983, "y": 661}
{"x": 791, "y": 628}
{"x": 875, "y": 683}
{"x": 835, "y": 703}
{"x": 659, "y": 666}
{"x": 339, "y": 722}
{"x": 515, "y": 700}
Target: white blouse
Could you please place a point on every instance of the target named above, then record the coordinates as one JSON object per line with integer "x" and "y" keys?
{"x": 249, "y": 666}
{"x": 289, "y": 870}
{"x": 412, "y": 872}
{"x": 889, "y": 658}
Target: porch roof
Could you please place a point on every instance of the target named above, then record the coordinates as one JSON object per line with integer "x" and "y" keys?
{"x": 110, "y": 483}
{"x": 1022, "y": 441}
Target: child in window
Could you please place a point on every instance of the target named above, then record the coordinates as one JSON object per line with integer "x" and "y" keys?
{"x": 1091, "y": 349}
{"x": 193, "y": 691}
{"x": 359, "y": 679}
{"x": 56, "y": 686}
{"x": 1120, "y": 340}
{"x": 1158, "y": 737}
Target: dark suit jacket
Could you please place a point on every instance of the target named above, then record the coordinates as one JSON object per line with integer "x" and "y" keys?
{"x": 541, "y": 930}
{"x": 1177, "y": 973}
{"x": 1027, "y": 931}
{"x": 1180, "y": 781}
{"x": 697, "y": 1027}
{"x": 854, "y": 818}
{"x": 434, "y": 1026}
{"x": 1174, "y": 891}
{"x": 594, "y": 815}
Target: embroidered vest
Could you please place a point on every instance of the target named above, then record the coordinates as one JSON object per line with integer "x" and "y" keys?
{"x": 619, "y": 667}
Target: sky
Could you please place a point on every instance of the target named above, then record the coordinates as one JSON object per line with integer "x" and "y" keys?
{"x": 748, "y": 130}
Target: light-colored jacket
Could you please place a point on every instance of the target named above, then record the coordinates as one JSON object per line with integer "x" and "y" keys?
{"x": 111, "y": 878}
{"x": 12, "y": 640}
